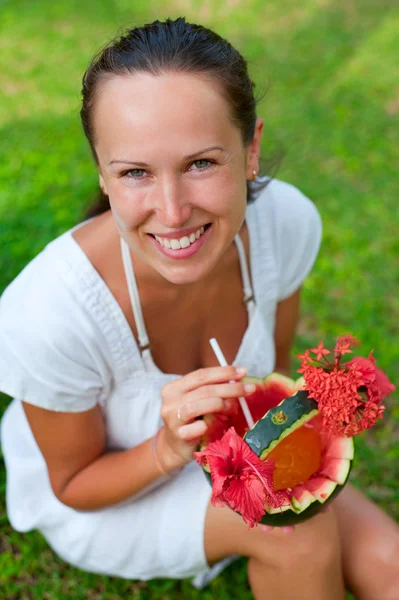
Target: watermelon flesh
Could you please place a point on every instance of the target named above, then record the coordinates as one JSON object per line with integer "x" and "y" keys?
{"x": 321, "y": 488}
{"x": 336, "y": 469}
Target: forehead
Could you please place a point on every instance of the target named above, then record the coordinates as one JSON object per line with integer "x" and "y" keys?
{"x": 161, "y": 111}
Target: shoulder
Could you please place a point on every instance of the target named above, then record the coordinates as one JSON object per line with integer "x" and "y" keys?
{"x": 293, "y": 223}
{"x": 289, "y": 206}
{"x": 51, "y": 349}
{"x": 41, "y": 289}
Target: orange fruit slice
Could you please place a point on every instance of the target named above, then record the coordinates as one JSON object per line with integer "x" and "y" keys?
{"x": 296, "y": 458}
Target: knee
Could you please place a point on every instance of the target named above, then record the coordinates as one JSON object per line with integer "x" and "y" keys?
{"x": 311, "y": 548}
{"x": 385, "y": 562}
{"x": 318, "y": 554}
{"x": 378, "y": 575}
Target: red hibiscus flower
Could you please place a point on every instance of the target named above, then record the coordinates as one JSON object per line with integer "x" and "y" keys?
{"x": 239, "y": 478}
{"x": 349, "y": 395}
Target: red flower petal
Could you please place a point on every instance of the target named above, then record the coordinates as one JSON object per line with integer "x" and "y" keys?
{"x": 239, "y": 478}
{"x": 247, "y": 496}
{"x": 371, "y": 375}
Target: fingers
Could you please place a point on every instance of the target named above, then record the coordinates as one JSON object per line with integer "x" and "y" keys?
{"x": 222, "y": 391}
{"x": 198, "y": 408}
{"x": 209, "y": 376}
{"x": 192, "y": 431}
{"x": 286, "y": 529}
{"x": 198, "y": 403}
{"x": 202, "y": 392}
{"x": 266, "y": 528}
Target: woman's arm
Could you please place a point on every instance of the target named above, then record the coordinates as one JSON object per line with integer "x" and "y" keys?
{"x": 82, "y": 475}
{"x": 85, "y": 476}
{"x": 286, "y": 323}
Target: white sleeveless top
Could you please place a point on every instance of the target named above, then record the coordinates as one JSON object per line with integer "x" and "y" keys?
{"x": 65, "y": 345}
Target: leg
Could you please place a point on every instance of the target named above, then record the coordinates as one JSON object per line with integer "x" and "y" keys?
{"x": 297, "y": 566}
{"x": 370, "y": 547}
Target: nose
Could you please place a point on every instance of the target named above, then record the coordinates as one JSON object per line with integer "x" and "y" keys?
{"x": 170, "y": 203}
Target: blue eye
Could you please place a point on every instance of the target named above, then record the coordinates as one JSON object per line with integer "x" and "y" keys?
{"x": 201, "y": 163}
{"x": 135, "y": 173}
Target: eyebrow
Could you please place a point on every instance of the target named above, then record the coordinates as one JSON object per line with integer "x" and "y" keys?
{"x": 188, "y": 157}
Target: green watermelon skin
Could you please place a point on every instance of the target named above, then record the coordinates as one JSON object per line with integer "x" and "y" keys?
{"x": 269, "y": 392}
{"x": 266, "y": 434}
{"x": 289, "y": 517}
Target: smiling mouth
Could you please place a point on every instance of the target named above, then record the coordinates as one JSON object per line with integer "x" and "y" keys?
{"x": 182, "y": 242}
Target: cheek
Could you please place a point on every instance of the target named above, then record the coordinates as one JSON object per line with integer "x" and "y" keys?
{"x": 127, "y": 208}
{"x": 226, "y": 196}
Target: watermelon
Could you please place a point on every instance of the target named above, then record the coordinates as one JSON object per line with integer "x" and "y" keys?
{"x": 310, "y": 466}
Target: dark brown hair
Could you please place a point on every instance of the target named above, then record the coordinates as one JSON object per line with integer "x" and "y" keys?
{"x": 174, "y": 46}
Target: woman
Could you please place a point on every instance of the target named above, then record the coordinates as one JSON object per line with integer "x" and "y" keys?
{"x": 108, "y": 359}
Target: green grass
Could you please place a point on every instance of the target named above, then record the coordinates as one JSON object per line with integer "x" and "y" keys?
{"x": 332, "y": 103}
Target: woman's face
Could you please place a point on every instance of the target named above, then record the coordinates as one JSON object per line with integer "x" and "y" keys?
{"x": 175, "y": 168}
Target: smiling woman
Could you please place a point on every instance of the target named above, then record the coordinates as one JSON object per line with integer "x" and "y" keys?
{"x": 190, "y": 175}
{"x": 109, "y": 363}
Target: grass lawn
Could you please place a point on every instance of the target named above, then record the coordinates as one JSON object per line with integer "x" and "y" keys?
{"x": 332, "y": 103}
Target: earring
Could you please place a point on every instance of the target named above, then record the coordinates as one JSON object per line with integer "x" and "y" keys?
{"x": 254, "y": 173}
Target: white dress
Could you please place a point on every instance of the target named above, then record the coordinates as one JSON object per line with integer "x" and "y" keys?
{"x": 66, "y": 345}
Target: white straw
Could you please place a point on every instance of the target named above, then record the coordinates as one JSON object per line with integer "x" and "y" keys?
{"x": 222, "y": 361}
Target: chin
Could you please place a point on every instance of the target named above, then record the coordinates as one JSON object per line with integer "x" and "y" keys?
{"x": 185, "y": 275}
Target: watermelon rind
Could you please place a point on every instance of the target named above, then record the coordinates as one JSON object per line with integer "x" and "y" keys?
{"x": 280, "y": 510}
{"x": 266, "y": 434}
{"x": 301, "y": 499}
{"x": 320, "y": 487}
{"x": 291, "y": 517}
{"x": 285, "y": 381}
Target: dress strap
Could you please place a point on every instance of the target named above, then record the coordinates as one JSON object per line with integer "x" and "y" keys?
{"x": 144, "y": 342}
{"x": 249, "y": 299}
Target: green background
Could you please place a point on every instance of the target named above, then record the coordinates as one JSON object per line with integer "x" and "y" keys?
{"x": 331, "y": 73}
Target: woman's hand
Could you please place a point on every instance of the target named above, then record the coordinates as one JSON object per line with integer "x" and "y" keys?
{"x": 184, "y": 403}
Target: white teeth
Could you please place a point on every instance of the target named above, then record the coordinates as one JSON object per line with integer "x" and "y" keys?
{"x": 183, "y": 242}
{"x": 175, "y": 244}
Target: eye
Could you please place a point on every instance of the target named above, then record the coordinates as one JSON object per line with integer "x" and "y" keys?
{"x": 134, "y": 174}
{"x": 202, "y": 163}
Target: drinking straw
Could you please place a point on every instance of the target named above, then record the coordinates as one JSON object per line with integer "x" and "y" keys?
{"x": 222, "y": 361}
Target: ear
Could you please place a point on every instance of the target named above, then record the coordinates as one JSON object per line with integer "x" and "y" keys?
{"x": 253, "y": 150}
{"x": 102, "y": 184}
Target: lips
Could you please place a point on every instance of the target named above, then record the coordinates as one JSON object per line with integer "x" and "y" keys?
{"x": 183, "y": 241}
{"x": 181, "y": 233}
{"x": 182, "y": 247}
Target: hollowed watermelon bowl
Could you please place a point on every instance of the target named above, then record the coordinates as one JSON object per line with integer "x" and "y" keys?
{"x": 311, "y": 467}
